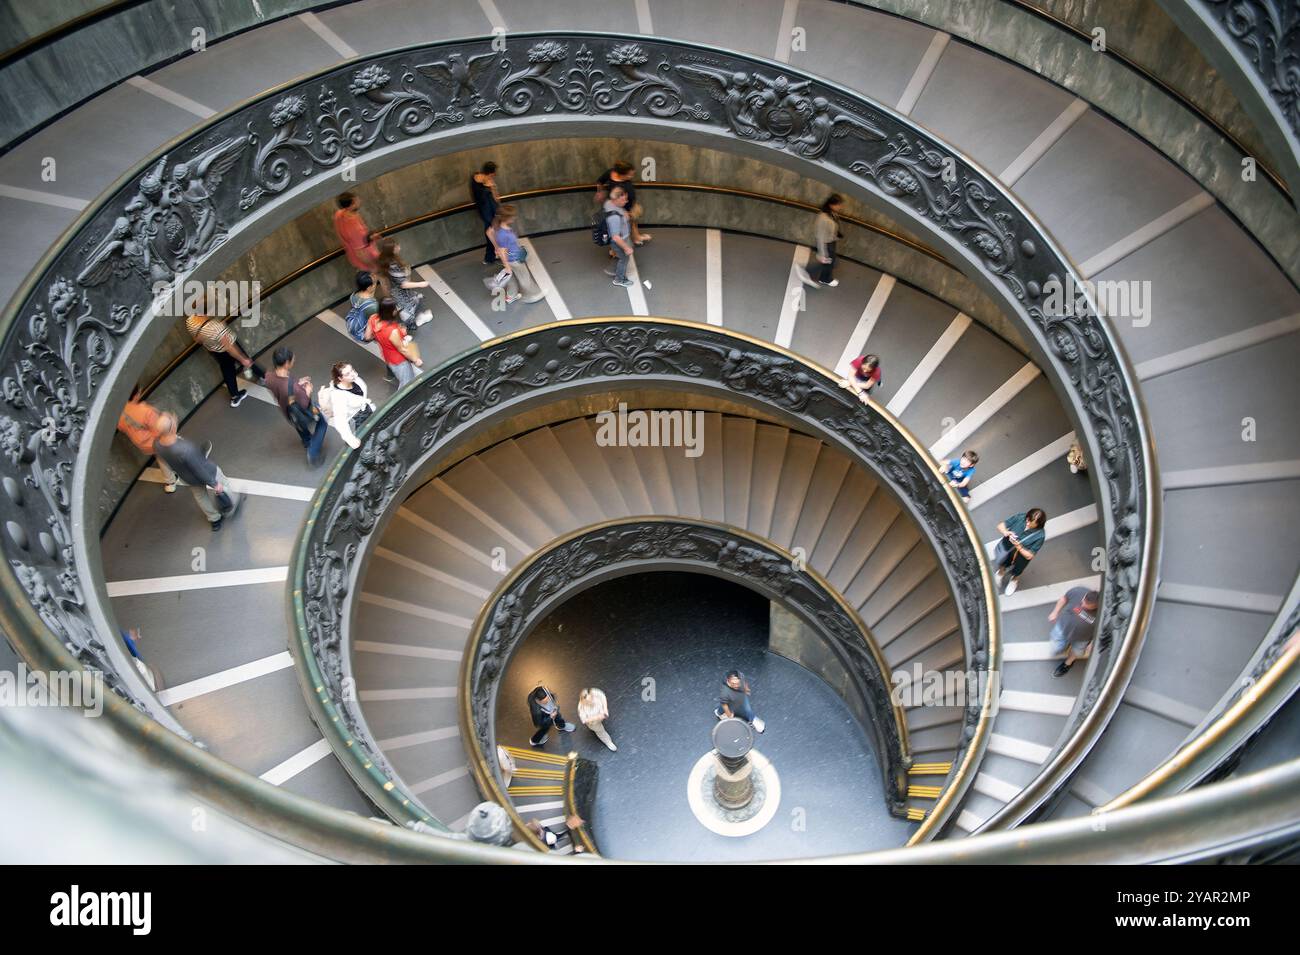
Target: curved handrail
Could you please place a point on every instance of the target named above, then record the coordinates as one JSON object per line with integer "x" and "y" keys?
{"x": 612, "y": 548}
{"x": 168, "y": 221}
{"x": 583, "y": 833}
{"x": 429, "y": 419}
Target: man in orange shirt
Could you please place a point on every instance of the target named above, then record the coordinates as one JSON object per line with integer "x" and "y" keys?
{"x": 139, "y": 422}
{"x": 354, "y": 235}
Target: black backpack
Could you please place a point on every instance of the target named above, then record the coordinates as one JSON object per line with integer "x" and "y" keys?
{"x": 600, "y": 226}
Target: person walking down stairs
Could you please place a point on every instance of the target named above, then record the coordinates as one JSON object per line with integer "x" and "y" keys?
{"x": 593, "y": 710}
{"x": 139, "y": 422}
{"x": 828, "y": 235}
{"x": 192, "y": 466}
{"x": 345, "y": 402}
{"x": 483, "y": 193}
{"x": 545, "y": 713}
{"x": 616, "y": 223}
{"x": 514, "y": 257}
{"x": 1023, "y": 536}
{"x": 405, "y": 292}
{"x": 294, "y": 396}
{"x": 1073, "y": 619}
{"x": 226, "y": 350}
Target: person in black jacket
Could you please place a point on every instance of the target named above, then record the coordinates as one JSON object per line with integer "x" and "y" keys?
{"x": 483, "y": 193}
{"x": 545, "y": 713}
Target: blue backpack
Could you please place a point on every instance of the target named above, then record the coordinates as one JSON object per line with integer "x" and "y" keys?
{"x": 357, "y": 320}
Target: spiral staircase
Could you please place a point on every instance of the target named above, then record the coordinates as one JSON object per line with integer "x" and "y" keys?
{"x": 1211, "y": 369}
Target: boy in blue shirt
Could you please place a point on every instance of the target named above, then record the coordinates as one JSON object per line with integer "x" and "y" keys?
{"x": 959, "y": 471}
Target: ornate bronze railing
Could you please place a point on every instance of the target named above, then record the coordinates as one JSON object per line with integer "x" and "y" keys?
{"x": 440, "y": 416}
{"x": 81, "y": 327}
{"x": 608, "y": 550}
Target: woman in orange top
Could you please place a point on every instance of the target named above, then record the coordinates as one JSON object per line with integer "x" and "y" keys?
{"x": 139, "y": 422}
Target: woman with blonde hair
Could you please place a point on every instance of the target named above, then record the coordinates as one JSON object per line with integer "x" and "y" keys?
{"x": 513, "y": 256}
{"x": 593, "y": 710}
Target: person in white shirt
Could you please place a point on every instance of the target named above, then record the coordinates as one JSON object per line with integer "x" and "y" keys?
{"x": 593, "y": 710}
{"x": 344, "y": 402}
{"x": 507, "y": 764}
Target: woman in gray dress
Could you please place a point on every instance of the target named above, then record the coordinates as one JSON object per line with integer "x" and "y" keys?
{"x": 397, "y": 276}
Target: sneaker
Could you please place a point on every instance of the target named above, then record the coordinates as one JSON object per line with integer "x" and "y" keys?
{"x": 758, "y": 725}
{"x": 511, "y": 299}
{"x": 535, "y": 299}
{"x": 718, "y": 714}
{"x": 216, "y": 525}
{"x": 609, "y": 271}
{"x": 831, "y": 284}
{"x": 236, "y": 401}
{"x": 804, "y": 277}
{"x": 1011, "y": 587}
{"x": 626, "y": 283}
{"x": 390, "y": 379}
{"x": 248, "y": 373}
{"x": 424, "y": 318}
{"x": 612, "y": 747}
{"x": 1062, "y": 669}
{"x": 569, "y": 727}
{"x": 540, "y": 742}
{"x": 207, "y": 451}
{"x": 169, "y": 488}
{"x": 1074, "y": 469}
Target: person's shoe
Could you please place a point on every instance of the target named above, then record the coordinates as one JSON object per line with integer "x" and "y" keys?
{"x": 612, "y": 747}
{"x": 831, "y": 284}
{"x": 236, "y": 401}
{"x": 1074, "y": 469}
{"x": 248, "y": 373}
{"x": 718, "y": 714}
{"x": 626, "y": 283}
{"x": 1062, "y": 669}
{"x": 645, "y": 237}
{"x": 511, "y": 299}
{"x": 424, "y": 318}
{"x": 1011, "y": 587}
{"x": 609, "y": 271}
{"x": 316, "y": 461}
{"x": 216, "y": 525}
{"x": 804, "y": 277}
{"x": 569, "y": 727}
{"x": 169, "y": 488}
{"x": 535, "y": 299}
{"x": 758, "y": 725}
{"x": 207, "y": 450}
{"x": 540, "y": 742}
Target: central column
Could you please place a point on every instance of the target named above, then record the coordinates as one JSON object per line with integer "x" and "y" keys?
{"x": 733, "y": 782}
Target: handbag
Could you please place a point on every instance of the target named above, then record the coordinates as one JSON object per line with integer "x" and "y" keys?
{"x": 361, "y": 417}
{"x": 500, "y": 280}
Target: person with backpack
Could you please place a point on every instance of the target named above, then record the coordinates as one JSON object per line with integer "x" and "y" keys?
{"x": 959, "y": 472}
{"x": 620, "y": 174}
{"x": 400, "y": 288}
{"x": 616, "y": 232}
{"x": 344, "y": 402}
{"x": 139, "y": 422}
{"x": 513, "y": 256}
{"x": 297, "y": 405}
{"x": 191, "y": 464}
{"x": 483, "y": 193}
{"x": 395, "y": 345}
{"x": 361, "y": 305}
{"x": 865, "y": 375}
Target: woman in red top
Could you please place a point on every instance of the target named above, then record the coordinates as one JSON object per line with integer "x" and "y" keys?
{"x": 355, "y": 237}
{"x": 395, "y": 345}
{"x": 866, "y": 374}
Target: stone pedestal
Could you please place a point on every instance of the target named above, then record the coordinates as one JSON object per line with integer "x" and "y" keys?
{"x": 733, "y": 781}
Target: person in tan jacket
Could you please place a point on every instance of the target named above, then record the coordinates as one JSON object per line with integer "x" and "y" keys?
{"x": 593, "y": 710}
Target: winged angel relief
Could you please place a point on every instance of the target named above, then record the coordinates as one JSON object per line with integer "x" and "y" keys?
{"x": 780, "y": 110}
{"x": 169, "y": 223}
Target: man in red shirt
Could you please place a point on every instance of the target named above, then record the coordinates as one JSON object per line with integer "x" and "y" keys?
{"x": 139, "y": 422}
{"x": 355, "y": 237}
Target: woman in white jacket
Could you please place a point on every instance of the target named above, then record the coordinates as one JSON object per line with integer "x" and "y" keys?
{"x": 344, "y": 403}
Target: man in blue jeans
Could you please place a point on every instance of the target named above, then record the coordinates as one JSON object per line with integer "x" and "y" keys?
{"x": 734, "y": 701}
{"x": 295, "y": 401}
{"x": 545, "y": 713}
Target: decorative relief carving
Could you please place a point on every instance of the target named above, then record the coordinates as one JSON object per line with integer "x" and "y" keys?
{"x": 183, "y": 205}
{"x": 1268, "y": 31}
